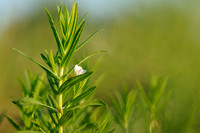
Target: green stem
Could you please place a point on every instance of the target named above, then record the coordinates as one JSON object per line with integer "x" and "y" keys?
{"x": 42, "y": 130}
{"x": 126, "y": 127}
{"x": 60, "y": 128}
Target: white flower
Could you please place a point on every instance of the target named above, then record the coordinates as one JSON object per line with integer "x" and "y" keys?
{"x": 79, "y": 70}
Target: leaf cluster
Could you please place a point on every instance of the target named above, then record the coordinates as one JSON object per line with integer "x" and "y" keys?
{"x": 68, "y": 95}
{"x": 123, "y": 107}
{"x": 153, "y": 102}
{"x": 147, "y": 103}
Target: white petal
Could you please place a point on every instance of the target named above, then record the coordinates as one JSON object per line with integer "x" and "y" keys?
{"x": 84, "y": 71}
{"x": 79, "y": 70}
{"x": 76, "y": 68}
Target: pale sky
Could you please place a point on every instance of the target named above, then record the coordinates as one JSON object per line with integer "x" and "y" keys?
{"x": 14, "y": 10}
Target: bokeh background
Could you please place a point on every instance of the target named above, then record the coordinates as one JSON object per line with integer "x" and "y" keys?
{"x": 141, "y": 37}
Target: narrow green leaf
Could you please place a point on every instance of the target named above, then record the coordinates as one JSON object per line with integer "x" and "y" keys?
{"x": 24, "y": 88}
{"x": 111, "y": 131}
{"x": 162, "y": 106}
{"x": 83, "y": 95}
{"x": 53, "y": 64}
{"x": 130, "y": 104}
{"x": 66, "y": 16}
{"x": 94, "y": 103}
{"x": 73, "y": 20}
{"x": 66, "y": 59}
{"x": 36, "y": 123}
{"x": 120, "y": 100}
{"x": 82, "y": 19}
{"x": 98, "y": 102}
{"x": 27, "y": 131}
{"x": 102, "y": 126}
{"x": 89, "y": 56}
{"x": 90, "y": 37}
{"x": 52, "y": 102}
{"x": 45, "y": 60}
{"x": 143, "y": 94}
{"x": 78, "y": 130}
{"x": 43, "y": 67}
{"x": 61, "y": 21}
{"x": 53, "y": 85}
{"x": 30, "y": 101}
{"x": 65, "y": 117}
{"x": 69, "y": 31}
{"x": 43, "y": 119}
{"x": 38, "y": 85}
{"x": 160, "y": 92}
{"x": 72, "y": 81}
{"x": 58, "y": 41}
{"x": 117, "y": 109}
{"x": 13, "y": 122}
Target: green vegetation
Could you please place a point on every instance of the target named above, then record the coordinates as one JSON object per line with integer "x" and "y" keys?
{"x": 161, "y": 38}
{"x": 69, "y": 97}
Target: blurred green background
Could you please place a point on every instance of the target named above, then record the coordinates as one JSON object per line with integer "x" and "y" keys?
{"x": 141, "y": 37}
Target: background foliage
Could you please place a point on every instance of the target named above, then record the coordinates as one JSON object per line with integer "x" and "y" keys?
{"x": 162, "y": 38}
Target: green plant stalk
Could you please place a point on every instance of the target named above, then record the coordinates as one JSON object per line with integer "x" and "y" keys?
{"x": 60, "y": 128}
{"x": 126, "y": 127}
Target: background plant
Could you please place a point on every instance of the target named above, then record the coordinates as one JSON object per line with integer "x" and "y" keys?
{"x": 153, "y": 103}
{"x": 35, "y": 88}
{"x": 124, "y": 109}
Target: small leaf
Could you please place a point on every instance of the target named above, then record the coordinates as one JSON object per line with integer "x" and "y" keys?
{"x": 120, "y": 100}
{"x": 72, "y": 81}
{"x": 90, "y": 37}
{"x": 111, "y": 131}
{"x": 118, "y": 111}
{"x": 89, "y": 56}
{"x": 130, "y": 104}
{"x": 94, "y": 103}
{"x": 13, "y": 122}
{"x": 30, "y": 101}
{"x": 102, "y": 126}
{"x": 27, "y": 131}
{"x": 66, "y": 17}
{"x": 24, "y": 88}
{"x": 38, "y": 85}
{"x": 83, "y": 95}
{"x": 65, "y": 117}
{"x": 143, "y": 94}
{"x": 164, "y": 103}
{"x": 82, "y": 19}
{"x": 53, "y": 64}
{"x": 53, "y": 84}
{"x": 70, "y": 51}
{"x": 43, "y": 67}
{"x": 45, "y": 60}
{"x": 160, "y": 92}
{"x": 73, "y": 20}
{"x": 78, "y": 130}
{"x": 59, "y": 44}
{"x": 61, "y": 21}
{"x": 52, "y": 102}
